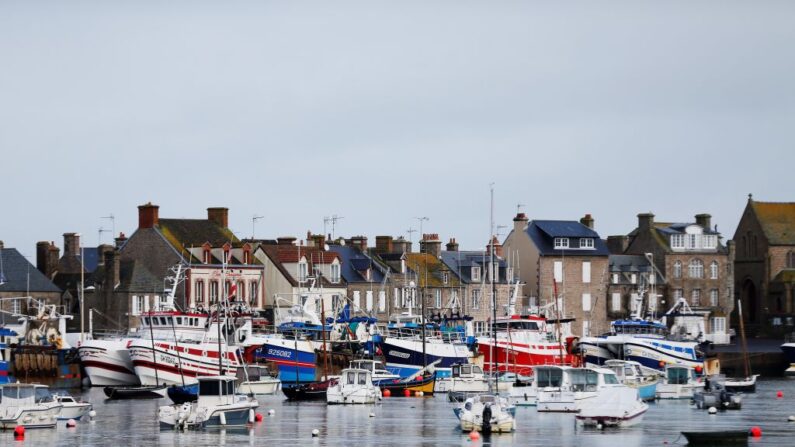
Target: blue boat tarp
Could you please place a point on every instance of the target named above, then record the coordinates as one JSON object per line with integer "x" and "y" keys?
{"x": 638, "y": 323}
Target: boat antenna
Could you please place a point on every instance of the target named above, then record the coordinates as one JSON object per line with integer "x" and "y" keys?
{"x": 154, "y": 353}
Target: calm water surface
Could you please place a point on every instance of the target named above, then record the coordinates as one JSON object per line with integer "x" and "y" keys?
{"x": 416, "y": 421}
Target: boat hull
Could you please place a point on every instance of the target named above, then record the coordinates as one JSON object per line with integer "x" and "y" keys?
{"x": 178, "y": 367}
{"x": 789, "y": 353}
{"x": 32, "y": 418}
{"x": 425, "y": 385}
{"x": 520, "y": 358}
{"x": 74, "y": 411}
{"x": 260, "y": 387}
{"x": 404, "y": 357}
{"x": 296, "y": 360}
{"x": 108, "y": 363}
{"x": 308, "y": 391}
{"x": 135, "y": 392}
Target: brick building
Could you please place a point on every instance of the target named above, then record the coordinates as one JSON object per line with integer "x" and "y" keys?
{"x": 566, "y": 260}
{"x": 765, "y": 265}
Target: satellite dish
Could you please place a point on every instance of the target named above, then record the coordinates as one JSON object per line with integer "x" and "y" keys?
{"x": 325, "y": 247}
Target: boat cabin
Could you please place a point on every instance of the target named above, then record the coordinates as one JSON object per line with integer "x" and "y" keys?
{"x": 639, "y": 327}
{"x": 679, "y": 375}
{"x": 626, "y": 371}
{"x": 217, "y": 390}
{"x": 43, "y": 394}
{"x": 353, "y": 377}
{"x": 466, "y": 370}
{"x": 17, "y": 395}
{"x": 576, "y": 379}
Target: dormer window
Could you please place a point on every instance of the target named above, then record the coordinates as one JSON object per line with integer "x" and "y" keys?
{"x": 226, "y": 256}
{"x": 303, "y": 270}
{"x": 586, "y": 242}
{"x": 475, "y": 273}
{"x": 335, "y": 273}
{"x": 246, "y": 257}
{"x": 445, "y": 277}
{"x": 561, "y": 242}
{"x": 206, "y": 256}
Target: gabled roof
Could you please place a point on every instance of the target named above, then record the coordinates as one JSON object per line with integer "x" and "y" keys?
{"x": 186, "y": 233}
{"x": 429, "y": 269}
{"x": 17, "y": 270}
{"x": 461, "y": 263}
{"x": 276, "y": 254}
{"x": 355, "y": 263}
{"x": 544, "y": 239}
{"x": 777, "y": 220}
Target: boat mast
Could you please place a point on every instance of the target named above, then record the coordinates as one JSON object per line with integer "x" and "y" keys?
{"x": 154, "y": 353}
{"x": 746, "y": 363}
{"x": 491, "y": 279}
{"x": 218, "y": 311}
{"x": 173, "y": 329}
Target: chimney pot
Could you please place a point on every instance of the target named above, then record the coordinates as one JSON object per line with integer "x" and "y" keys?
{"x": 645, "y": 221}
{"x": 219, "y": 215}
{"x": 588, "y": 221}
{"x": 147, "y": 216}
{"x": 71, "y": 244}
{"x": 704, "y": 220}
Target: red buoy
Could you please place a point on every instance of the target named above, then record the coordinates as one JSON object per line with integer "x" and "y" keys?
{"x": 19, "y": 431}
{"x": 756, "y": 432}
{"x": 698, "y": 369}
{"x": 473, "y": 435}
{"x": 407, "y": 392}
{"x": 387, "y": 393}
{"x": 779, "y": 394}
{"x": 662, "y": 364}
{"x": 258, "y": 417}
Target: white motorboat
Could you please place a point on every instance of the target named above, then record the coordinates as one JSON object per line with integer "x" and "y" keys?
{"x": 355, "y": 386}
{"x": 486, "y": 413}
{"x": 376, "y": 368}
{"x": 523, "y": 393}
{"x": 634, "y": 375}
{"x": 218, "y": 406}
{"x": 678, "y": 382}
{"x": 564, "y": 388}
{"x": 466, "y": 379}
{"x": 259, "y": 381}
{"x": 18, "y": 407}
{"x": 613, "y": 406}
{"x": 72, "y": 408}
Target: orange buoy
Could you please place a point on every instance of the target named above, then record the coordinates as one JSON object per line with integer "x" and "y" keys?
{"x": 779, "y": 394}
{"x": 19, "y": 431}
{"x": 756, "y": 431}
{"x": 258, "y": 417}
{"x": 473, "y": 435}
{"x": 698, "y": 369}
{"x": 407, "y": 392}
{"x": 387, "y": 393}
{"x": 662, "y": 364}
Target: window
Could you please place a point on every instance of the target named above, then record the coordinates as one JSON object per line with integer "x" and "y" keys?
{"x": 718, "y": 325}
{"x": 586, "y": 302}
{"x": 713, "y": 297}
{"x": 633, "y": 278}
{"x": 253, "y": 293}
{"x": 199, "y": 292}
{"x": 615, "y": 302}
{"x": 227, "y": 257}
{"x": 791, "y": 260}
{"x": 561, "y": 242}
{"x": 335, "y": 273}
{"x": 16, "y": 306}
{"x": 678, "y": 241}
{"x": 241, "y": 291}
{"x": 382, "y": 300}
{"x": 163, "y": 302}
{"x": 586, "y": 242}
{"x": 691, "y": 241}
{"x": 480, "y": 327}
{"x": 558, "y": 271}
{"x": 509, "y": 275}
{"x": 206, "y": 256}
{"x": 678, "y": 294}
{"x": 403, "y": 266}
{"x": 303, "y": 271}
{"x": 139, "y": 304}
{"x": 696, "y": 269}
{"x": 445, "y": 277}
{"x": 357, "y": 299}
{"x": 634, "y": 300}
{"x": 437, "y": 298}
{"x": 476, "y": 299}
{"x": 213, "y": 292}
{"x": 475, "y": 273}
{"x": 368, "y": 299}
{"x": 615, "y": 278}
{"x": 713, "y": 270}
{"x": 227, "y": 290}
{"x": 335, "y": 303}
{"x": 695, "y": 299}
{"x": 678, "y": 269}
{"x": 586, "y": 272}
{"x": 396, "y": 297}
{"x": 403, "y": 297}
{"x": 246, "y": 257}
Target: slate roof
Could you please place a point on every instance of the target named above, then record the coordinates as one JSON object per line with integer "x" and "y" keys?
{"x": 429, "y": 269}
{"x": 183, "y": 233}
{"x": 777, "y": 220}
{"x": 15, "y": 271}
{"x": 631, "y": 264}
{"x": 461, "y": 262}
{"x": 544, "y": 232}
{"x": 135, "y": 277}
{"x": 354, "y": 263}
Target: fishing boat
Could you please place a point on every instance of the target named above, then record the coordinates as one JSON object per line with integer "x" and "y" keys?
{"x": 565, "y": 388}
{"x": 466, "y": 380}
{"x": 72, "y": 408}
{"x": 632, "y": 374}
{"x": 217, "y": 407}
{"x": 258, "y": 381}
{"x": 716, "y": 395}
{"x": 788, "y": 348}
{"x": 309, "y": 390}
{"x": 614, "y": 406}
{"x": 420, "y": 384}
{"x": 486, "y": 413}
{"x": 716, "y": 438}
{"x": 18, "y": 407}
{"x": 678, "y": 382}
{"x": 6, "y": 335}
{"x": 355, "y": 386}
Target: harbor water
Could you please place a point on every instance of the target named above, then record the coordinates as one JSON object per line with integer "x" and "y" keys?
{"x": 415, "y": 421}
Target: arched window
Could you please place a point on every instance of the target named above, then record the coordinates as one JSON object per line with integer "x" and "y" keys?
{"x": 678, "y": 269}
{"x": 696, "y": 269}
{"x": 713, "y": 270}
{"x": 791, "y": 260}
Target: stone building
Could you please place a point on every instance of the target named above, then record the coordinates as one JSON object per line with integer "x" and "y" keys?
{"x": 633, "y": 282}
{"x": 564, "y": 266}
{"x": 20, "y": 279}
{"x": 765, "y": 266}
{"x": 368, "y": 288}
{"x": 693, "y": 262}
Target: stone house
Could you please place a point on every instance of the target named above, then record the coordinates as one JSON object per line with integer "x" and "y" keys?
{"x": 632, "y": 279}
{"x": 366, "y": 279}
{"x": 765, "y": 266}
{"x": 564, "y": 266}
{"x": 20, "y": 279}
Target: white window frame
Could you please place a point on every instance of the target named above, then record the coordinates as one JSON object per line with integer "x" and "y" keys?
{"x": 586, "y": 302}
{"x": 718, "y": 325}
{"x": 476, "y": 299}
{"x": 587, "y": 243}
{"x": 396, "y": 297}
{"x": 633, "y": 278}
{"x": 615, "y": 278}
{"x": 437, "y": 298}
{"x": 678, "y": 241}
{"x": 695, "y": 269}
{"x": 509, "y": 275}
{"x": 561, "y": 242}
{"x": 615, "y": 302}
{"x": 357, "y": 300}
{"x": 303, "y": 270}
{"x": 335, "y": 273}
{"x": 677, "y": 267}
{"x": 368, "y": 299}
{"x": 253, "y": 293}
{"x": 714, "y": 269}
{"x": 198, "y": 292}
{"x": 382, "y": 301}
{"x": 475, "y": 273}
{"x": 586, "y": 272}
{"x": 557, "y": 271}
{"x": 695, "y": 297}
{"x": 714, "y": 297}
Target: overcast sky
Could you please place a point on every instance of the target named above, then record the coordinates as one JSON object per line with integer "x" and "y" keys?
{"x": 385, "y": 111}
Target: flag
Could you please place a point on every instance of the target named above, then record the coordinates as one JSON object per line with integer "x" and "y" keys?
{"x": 232, "y": 291}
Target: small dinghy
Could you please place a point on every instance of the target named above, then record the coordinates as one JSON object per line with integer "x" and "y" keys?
{"x": 486, "y": 413}
{"x": 716, "y": 395}
{"x": 135, "y": 392}
{"x": 741, "y": 385}
{"x": 308, "y": 391}
{"x": 181, "y": 394}
{"x": 414, "y": 385}
{"x": 716, "y": 438}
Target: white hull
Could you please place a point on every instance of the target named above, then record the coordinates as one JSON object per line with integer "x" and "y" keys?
{"x": 74, "y": 411}
{"x": 37, "y": 417}
{"x": 614, "y": 406}
{"x": 364, "y": 395}
{"x": 260, "y": 387}
{"x": 471, "y": 415}
{"x": 171, "y": 368}
{"x": 107, "y": 362}
{"x": 523, "y": 396}
{"x": 665, "y": 391}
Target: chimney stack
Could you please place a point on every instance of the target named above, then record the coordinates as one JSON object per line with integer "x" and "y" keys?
{"x": 645, "y": 221}
{"x": 588, "y": 221}
{"x": 452, "y": 245}
{"x": 219, "y": 215}
{"x": 319, "y": 241}
{"x": 359, "y": 242}
{"x": 519, "y": 222}
{"x": 285, "y": 240}
{"x": 47, "y": 255}
{"x": 431, "y": 244}
{"x": 497, "y": 247}
{"x": 401, "y": 245}
{"x": 704, "y": 220}
{"x": 617, "y": 245}
{"x": 147, "y": 216}
{"x": 383, "y": 244}
{"x": 120, "y": 240}
{"x": 71, "y": 244}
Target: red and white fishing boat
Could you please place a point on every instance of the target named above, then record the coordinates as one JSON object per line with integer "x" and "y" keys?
{"x": 522, "y": 342}
{"x": 181, "y": 363}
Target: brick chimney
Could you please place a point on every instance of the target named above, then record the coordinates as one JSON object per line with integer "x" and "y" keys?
{"x": 704, "y": 220}
{"x": 497, "y": 247}
{"x": 588, "y": 221}
{"x": 617, "y": 245}
{"x": 71, "y": 244}
{"x": 452, "y": 245}
{"x": 645, "y": 221}
{"x": 401, "y": 245}
{"x": 431, "y": 244}
{"x": 120, "y": 240}
{"x": 359, "y": 242}
{"x": 285, "y": 240}
{"x": 47, "y": 255}
{"x": 219, "y": 215}
{"x": 383, "y": 244}
{"x": 519, "y": 222}
{"x": 112, "y": 267}
{"x": 319, "y": 241}
{"x": 147, "y": 216}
